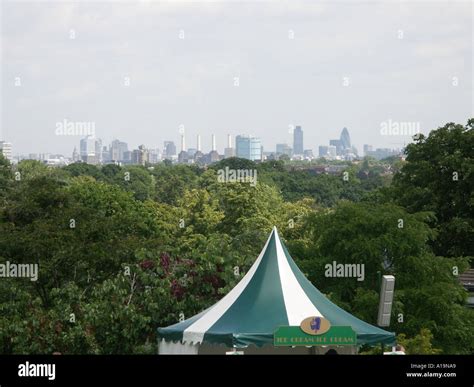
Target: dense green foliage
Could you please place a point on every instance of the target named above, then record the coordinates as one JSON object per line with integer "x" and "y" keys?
{"x": 123, "y": 250}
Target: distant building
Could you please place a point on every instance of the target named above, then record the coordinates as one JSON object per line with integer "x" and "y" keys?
{"x": 248, "y": 147}
{"x": 229, "y": 151}
{"x": 332, "y": 151}
{"x": 284, "y": 149}
{"x": 183, "y": 157}
{"x": 323, "y": 151}
{"x": 337, "y": 145}
{"x": 198, "y": 157}
{"x": 298, "y": 141}
{"x": 367, "y": 148}
{"x": 214, "y": 156}
{"x": 154, "y": 156}
{"x": 140, "y": 155}
{"x": 343, "y": 144}
{"x": 169, "y": 150}
{"x": 308, "y": 154}
{"x": 192, "y": 152}
{"x": 127, "y": 157}
{"x": 345, "y": 139}
{"x": 87, "y": 146}
{"x": 117, "y": 150}
{"x": 75, "y": 156}
{"x": 6, "y": 150}
{"x": 98, "y": 150}
{"x": 383, "y": 153}
{"x": 90, "y": 150}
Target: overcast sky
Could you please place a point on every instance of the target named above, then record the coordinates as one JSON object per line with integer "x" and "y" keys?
{"x": 319, "y": 65}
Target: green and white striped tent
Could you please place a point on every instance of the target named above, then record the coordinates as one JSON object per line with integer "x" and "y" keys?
{"x": 273, "y": 293}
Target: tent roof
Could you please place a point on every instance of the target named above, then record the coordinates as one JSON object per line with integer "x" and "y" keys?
{"x": 273, "y": 293}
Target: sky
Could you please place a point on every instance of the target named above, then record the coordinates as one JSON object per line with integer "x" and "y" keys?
{"x": 144, "y": 71}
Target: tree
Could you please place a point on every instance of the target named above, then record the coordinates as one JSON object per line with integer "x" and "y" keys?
{"x": 388, "y": 240}
{"x": 439, "y": 177}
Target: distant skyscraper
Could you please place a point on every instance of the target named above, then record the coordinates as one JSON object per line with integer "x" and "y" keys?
{"x": 91, "y": 150}
{"x": 345, "y": 139}
{"x": 87, "y": 146}
{"x": 248, "y": 147}
{"x": 117, "y": 151}
{"x": 98, "y": 150}
{"x": 169, "y": 149}
{"x": 308, "y": 154}
{"x": 6, "y": 150}
{"x": 298, "y": 141}
{"x": 343, "y": 144}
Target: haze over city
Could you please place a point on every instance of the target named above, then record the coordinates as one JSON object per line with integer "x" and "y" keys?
{"x": 140, "y": 70}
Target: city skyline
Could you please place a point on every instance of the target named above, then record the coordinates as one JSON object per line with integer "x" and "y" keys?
{"x": 321, "y": 66}
{"x": 93, "y": 151}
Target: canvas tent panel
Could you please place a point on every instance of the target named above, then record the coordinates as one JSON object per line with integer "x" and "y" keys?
{"x": 177, "y": 348}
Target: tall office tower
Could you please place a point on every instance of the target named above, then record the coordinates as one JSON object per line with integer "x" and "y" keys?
{"x": 6, "y": 150}
{"x": 345, "y": 139}
{"x": 169, "y": 149}
{"x": 87, "y": 146}
{"x": 198, "y": 145}
{"x": 213, "y": 142}
{"x": 298, "y": 141}
{"x": 98, "y": 150}
{"x": 117, "y": 150}
{"x": 248, "y": 147}
{"x": 229, "y": 151}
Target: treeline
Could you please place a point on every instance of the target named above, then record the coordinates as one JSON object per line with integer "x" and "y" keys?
{"x": 123, "y": 250}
